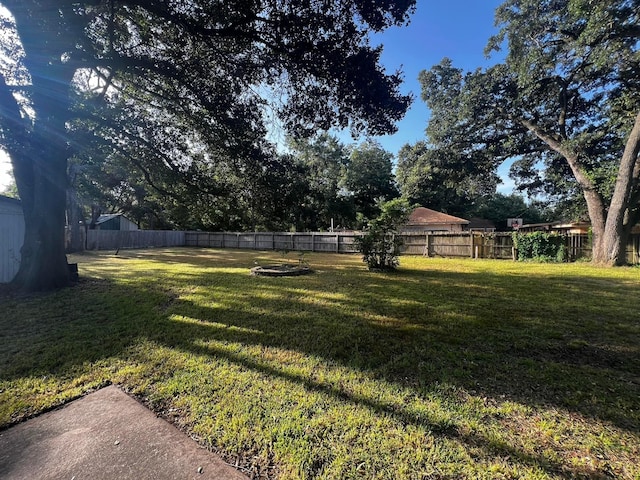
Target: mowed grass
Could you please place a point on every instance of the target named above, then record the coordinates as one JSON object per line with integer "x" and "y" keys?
{"x": 445, "y": 369}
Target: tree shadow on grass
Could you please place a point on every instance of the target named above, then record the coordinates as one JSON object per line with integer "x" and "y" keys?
{"x": 414, "y": 329}
{"x": 535, "y": 348}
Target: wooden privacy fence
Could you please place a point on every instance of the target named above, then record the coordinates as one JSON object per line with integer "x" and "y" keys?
{"x": 116, "y": 239}
{"x": 432, "y": 244}
{"x": 340, "y": 242}
{"x": 461, "y": 244}
{"x": 633, "y": 250}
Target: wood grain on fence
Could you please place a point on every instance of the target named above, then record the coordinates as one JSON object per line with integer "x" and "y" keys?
{"x": 342, "y": 242}
{"x": 432, "y": 244}
{"x": 461, "y": 244}
{"x": 114, "y": 239}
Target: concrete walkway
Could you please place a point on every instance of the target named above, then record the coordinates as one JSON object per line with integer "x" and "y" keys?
{"x": 106, "y": 435}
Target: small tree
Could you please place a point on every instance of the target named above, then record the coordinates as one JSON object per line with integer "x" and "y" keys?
{"x": 380, "y": 246}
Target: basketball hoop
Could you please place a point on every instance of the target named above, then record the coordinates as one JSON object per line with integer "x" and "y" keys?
{"x": 514, "y": 223}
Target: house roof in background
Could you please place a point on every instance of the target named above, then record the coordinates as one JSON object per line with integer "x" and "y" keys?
{"x": 13, "y": 201}
{"x": 426, "y": 216}
{"x": 105, "y": 217}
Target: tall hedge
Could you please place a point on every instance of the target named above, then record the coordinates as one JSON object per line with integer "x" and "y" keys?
{"x": 540, "y": 247}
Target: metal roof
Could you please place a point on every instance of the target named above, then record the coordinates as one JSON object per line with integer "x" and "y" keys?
{"x": 105, "y": 217}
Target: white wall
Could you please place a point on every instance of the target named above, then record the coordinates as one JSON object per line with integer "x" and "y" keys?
{"x": 126, "y": 224}
{"x": 11, "y": 238}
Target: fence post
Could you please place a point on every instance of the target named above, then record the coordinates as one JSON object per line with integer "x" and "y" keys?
{"x": 337, "y": 243}
{"x": 313, "y": 242}
{"x": 471, "y": 243}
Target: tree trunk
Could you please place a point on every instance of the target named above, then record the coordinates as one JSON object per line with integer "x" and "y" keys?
{"x": 597, "y": 216}
{"x": 75, "y": 222}
{"x": 612, "y": 247}
{"x": 41, "y": 179}
{"x": 39, "y": 162}
{"x": 610, "y": 232}
{"x": 612, "y": 250}
{"x": 40, "y": 146}
{"x": 74, "y": 214}
{"x": 40, "y": 175}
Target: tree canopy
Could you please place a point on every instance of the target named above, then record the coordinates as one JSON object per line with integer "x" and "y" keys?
{"x": 324, "y": 162}
{"x": 369, "y": 180}
{"x": 442, "y": 179}
{"x": 180, "y": 90}
{"x": 565, "y": 103}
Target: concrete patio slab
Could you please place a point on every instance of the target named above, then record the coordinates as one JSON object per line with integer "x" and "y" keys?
{"x": 105, "y": 435}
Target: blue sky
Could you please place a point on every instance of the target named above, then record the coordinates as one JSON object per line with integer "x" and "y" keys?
{"x": 5, "y": 168}
{"x": 458, "y": 29}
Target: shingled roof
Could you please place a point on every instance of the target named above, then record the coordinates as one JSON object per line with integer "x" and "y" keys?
{"x": 426, "y": 216}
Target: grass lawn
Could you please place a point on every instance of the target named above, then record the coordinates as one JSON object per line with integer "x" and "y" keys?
{"x": 448, "y": 368}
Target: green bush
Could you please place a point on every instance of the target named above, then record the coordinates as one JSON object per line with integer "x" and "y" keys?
{"x": 379, "y": 245}
{"x": 379, "y": 249}
{"x": 540, "y": 247}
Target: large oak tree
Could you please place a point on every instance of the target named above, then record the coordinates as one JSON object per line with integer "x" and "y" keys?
{"x": 163, "y": 76}
{"x": 442, "y": 179}
{"x": 567, "y": 99}
{"x": 369, "y": 179}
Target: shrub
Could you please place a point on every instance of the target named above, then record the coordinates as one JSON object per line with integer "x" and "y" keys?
{"x": 540, "y": 247}
{"x": 379, "y": 245}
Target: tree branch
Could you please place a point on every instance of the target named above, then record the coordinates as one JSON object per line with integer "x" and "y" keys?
{"x": 625, "y": 179}
{"x": 555, "y": 144}
{"x": 595, "y": 202}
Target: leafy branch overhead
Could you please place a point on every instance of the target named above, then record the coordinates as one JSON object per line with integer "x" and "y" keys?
{"x": 565, "y": 104}
{"x": 183, "y": 90}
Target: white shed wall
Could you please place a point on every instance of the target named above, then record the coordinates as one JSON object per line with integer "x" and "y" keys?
{"x": 126, "y": 224}
{"x": 11, "y": 239}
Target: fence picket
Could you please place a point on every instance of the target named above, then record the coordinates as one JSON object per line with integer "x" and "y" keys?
{"x": 440, "y": 244}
